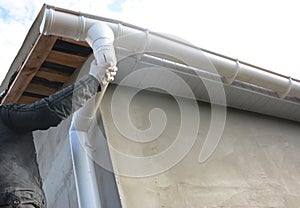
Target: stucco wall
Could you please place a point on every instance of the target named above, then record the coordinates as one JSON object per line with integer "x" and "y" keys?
{"x": 55, "y": 164}
{"x": 256, "y": 163}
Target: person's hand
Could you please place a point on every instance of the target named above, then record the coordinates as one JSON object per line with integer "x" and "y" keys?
{"x": 104, "y": 73}
{"x": 110, "y": 74}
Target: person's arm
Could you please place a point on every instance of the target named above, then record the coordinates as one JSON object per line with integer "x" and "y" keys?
{"x": 50, "y": 111}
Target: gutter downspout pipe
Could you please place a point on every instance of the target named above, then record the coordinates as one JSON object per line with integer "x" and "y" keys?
{"x": 141, "y": 41}
{"x": 81, "y": 150}
{"x": 97, "y": 34}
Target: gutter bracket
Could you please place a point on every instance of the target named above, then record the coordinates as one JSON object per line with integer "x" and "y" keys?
{"x": 284, "y": 94}
{"x": 139, "y": 54}
{"x": 229, "y": 80}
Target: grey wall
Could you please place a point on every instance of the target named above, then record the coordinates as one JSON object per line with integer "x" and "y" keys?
{"x": 54, "y": 159}
{"x": 256, "y": 163}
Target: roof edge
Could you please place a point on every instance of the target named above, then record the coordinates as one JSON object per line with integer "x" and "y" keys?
{"x": 24, "y": 50}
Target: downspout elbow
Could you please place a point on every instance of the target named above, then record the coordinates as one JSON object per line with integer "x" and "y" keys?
{"x": 101, "y": 39}
{"x": 98, "y": 36}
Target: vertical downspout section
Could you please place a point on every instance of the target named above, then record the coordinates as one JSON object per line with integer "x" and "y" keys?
{"x": 98, "y": 35}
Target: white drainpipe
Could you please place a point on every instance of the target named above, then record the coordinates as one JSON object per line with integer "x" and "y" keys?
{"x": 96, "y": 34}
{"x": 137, "y": 40}
{"x": 81, "y": 150}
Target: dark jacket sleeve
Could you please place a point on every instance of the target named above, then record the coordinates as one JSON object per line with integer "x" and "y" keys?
{"x": 49, "y": 111}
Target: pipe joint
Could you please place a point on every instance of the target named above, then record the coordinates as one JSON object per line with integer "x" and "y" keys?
{"x": 101, "y": 38}
{"x": 282, "y": 95}
{"x": 99, "y": 35}
{"x": 229, "y": 80}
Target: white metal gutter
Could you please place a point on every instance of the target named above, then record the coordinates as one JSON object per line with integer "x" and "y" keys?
{"x": 143, "y": 41}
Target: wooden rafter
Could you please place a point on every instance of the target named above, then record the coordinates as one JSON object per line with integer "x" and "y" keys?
{"x": 53, "y": 75}
{"x": 41, "y": 89}
{"x": 65, "y": 59}
{"x": 83, "y": 43}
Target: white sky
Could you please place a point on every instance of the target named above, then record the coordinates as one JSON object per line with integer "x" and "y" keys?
{"x": 261, "y": 32}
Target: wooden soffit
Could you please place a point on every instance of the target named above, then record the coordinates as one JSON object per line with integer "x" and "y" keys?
{"x": 49, "y": 65}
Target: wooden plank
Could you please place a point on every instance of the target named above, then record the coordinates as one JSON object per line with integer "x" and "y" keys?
{"x": 53, "y": 75}
{"x": 41, "y": 89}
{"x": 34, "y": 60}
{"x": 72, "y": 48}
{"x": 65, "y": 59}
{"x": 27, "y": 99}
{"x": 83, "y": 43}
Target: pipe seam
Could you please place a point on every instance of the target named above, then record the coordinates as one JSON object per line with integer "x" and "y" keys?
{"x": 284, "y": 94}
{"x": 230, "y": 80}
{"x": 81, "y": 27}
{"x": 139, "y": 54}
